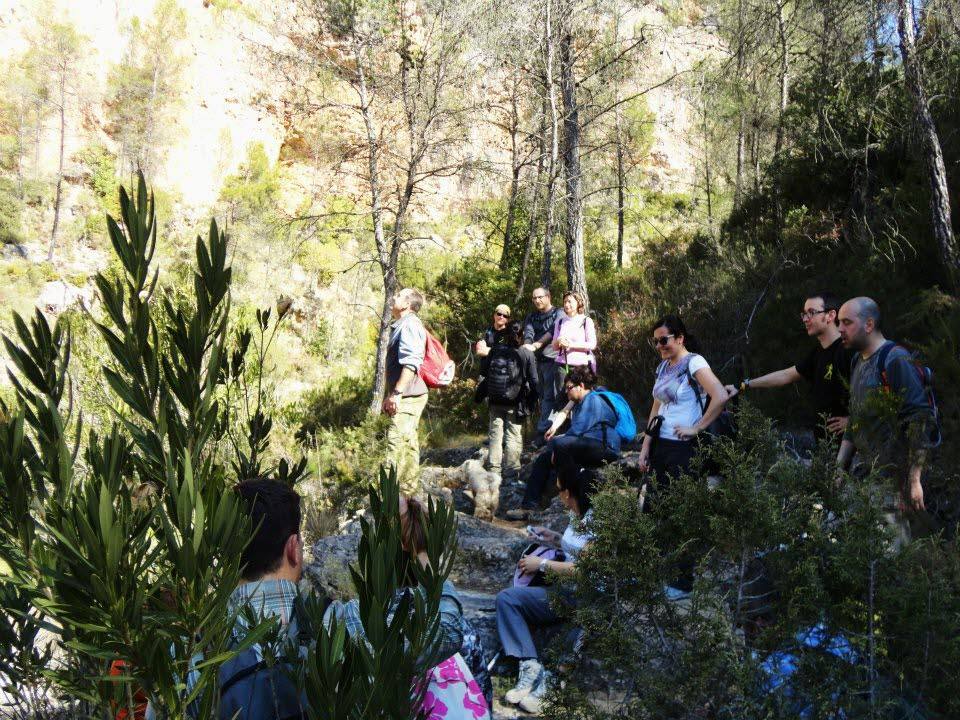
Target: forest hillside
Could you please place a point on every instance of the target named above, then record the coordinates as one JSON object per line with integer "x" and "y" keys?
{"x": 723, "y": 160}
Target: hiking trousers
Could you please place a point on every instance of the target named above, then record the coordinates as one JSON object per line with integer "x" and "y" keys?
{"x": 403, "y": 443}
{"x": 547, "y": 376}
{"x": 505, "y": 424}
{"x": 519, "y": 609}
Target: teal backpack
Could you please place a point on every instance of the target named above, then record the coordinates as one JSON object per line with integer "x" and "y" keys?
{"x": 626, "y": 426}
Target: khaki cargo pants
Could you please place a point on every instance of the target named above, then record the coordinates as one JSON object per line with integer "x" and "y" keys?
{"x": 504, "y": 421}
{"x": 403, "y": 443}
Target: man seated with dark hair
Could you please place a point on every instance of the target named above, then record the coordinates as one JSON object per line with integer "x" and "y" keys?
{"x": 272, "y": 567}
{"x": 273, "y": 561}
{"x": 272, "y": 564}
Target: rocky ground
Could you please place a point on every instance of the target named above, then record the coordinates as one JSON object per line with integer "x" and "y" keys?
{"x": 486, "y": 559}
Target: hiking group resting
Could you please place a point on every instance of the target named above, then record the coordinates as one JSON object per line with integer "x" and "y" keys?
{"x": 545, "y": 368}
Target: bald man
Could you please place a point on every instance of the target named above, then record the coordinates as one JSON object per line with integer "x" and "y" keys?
{"x": 897, "y": 445}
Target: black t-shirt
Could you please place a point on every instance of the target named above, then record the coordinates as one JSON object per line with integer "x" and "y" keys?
{"x": 828, "y": 372}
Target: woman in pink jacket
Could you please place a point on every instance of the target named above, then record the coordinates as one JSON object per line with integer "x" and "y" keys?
{"x": 574, "y": 335}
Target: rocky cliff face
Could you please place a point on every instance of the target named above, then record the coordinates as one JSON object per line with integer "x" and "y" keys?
{"x": 221, "y": 108}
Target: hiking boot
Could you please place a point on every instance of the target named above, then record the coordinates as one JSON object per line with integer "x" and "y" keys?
{"x": 524, "y": 512}
{"x": 532, "y": 702}
{"x": 530, "y": 672}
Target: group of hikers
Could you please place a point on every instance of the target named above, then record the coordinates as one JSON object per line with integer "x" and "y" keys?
{"x": 546, "y": 368}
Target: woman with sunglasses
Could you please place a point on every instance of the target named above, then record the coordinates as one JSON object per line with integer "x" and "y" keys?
{"x": 676, "y": 402}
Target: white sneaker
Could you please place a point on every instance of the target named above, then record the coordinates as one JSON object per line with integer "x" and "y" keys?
{"x": 533, "y": 701}
{"x": 530, "y": 672}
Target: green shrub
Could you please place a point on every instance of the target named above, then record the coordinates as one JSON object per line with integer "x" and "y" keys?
{"x": 11, "y": 209}
{"x": 778, "y": 549}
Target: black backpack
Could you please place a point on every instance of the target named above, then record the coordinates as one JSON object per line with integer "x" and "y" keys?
{"x": 504, "y": 378}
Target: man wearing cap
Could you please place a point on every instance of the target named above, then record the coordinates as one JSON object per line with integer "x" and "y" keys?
{"x": 496, "y": 333}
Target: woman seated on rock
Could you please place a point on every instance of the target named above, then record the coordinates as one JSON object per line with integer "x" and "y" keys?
{"x": 590, "y": 441}
{"x": 521, "y": 609}
{"x": 453, "y": 692}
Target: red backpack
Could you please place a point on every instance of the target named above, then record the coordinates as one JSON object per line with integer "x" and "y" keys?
{"x": 437, "y": 369}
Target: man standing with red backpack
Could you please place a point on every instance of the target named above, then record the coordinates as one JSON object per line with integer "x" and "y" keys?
{"x": 406, "y": 390}
{"x": 893, "y": 415}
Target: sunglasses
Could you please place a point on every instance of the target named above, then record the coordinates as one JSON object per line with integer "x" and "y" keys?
{"x": 500, "y": 314}
{"x": 662, "y": 340}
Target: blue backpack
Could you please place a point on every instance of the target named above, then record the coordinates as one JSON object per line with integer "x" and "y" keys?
{"x": 626, "y": 426}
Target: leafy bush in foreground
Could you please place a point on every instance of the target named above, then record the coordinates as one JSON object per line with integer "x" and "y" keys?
{"x": 124, "y": 543}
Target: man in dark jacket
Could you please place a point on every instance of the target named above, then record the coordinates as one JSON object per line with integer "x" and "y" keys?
{"x": 538, "y": 338}
{"x": 510, "y": 386}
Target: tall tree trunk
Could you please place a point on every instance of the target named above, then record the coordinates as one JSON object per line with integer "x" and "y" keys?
{"x": 21, "y": 132}
{"x": 576, "y": 271}
{"x": 59, "y": 194}
{"x": 546, "y": 273}
{"x": 741, "y": 103}
{"x": 876, "y": 23}
{"x": 621, "y": 182}
{"x": 534, "y": 208}
{"x": 932, "y": 153}
{"x": 516, "y": 165}
{"x": 783, "y": 78}
{"x": 741, "y": 147}
{"x": 618, "y": 127}
{"x": 708, "y": 180}
{"x": 388, "y": 271}
{"x": 511, "y": 214}
{"x": 36, "y": 141}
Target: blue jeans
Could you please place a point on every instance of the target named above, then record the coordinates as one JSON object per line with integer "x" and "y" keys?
{"x": 547, "y": 388}
{"x": 519, "y": 609}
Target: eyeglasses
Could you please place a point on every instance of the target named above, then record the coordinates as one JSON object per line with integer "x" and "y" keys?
{"x": 662, "y": 340}
{"x": 500, "y": 314}
{"x": 811, "y": 314}
{"x": 539, "y": 297}
{"x": 568, "y": 388}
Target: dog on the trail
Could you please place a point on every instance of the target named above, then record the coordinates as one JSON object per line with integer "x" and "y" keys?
{"x": 476, "y": 480}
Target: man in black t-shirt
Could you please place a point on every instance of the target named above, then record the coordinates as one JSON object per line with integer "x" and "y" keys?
{"x": 826, "y": 367}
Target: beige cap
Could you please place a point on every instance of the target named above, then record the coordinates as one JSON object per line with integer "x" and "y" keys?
{"x": 502, "y": 309}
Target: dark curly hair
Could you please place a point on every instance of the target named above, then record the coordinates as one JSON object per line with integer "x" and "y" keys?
{"x": 582, "y": 375}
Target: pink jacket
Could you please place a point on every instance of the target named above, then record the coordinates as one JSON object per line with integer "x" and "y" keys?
{"x": 582, "y": 334}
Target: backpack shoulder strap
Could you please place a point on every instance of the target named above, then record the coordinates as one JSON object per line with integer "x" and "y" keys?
{"x": 883, "y": 355}
{"x": 694, "y": 385}
{"x": 608, "y": 401}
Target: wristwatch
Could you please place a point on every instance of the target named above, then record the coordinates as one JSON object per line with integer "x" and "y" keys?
{"x": 396, "y": 393}
{"x": 543, "y": 566}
